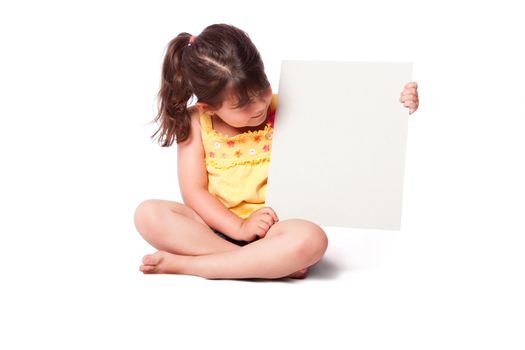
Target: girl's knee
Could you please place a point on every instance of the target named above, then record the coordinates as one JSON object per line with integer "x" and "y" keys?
{"x": 145, "y": 212}
{"x": 315, "y": 240}
{"x": 311, "y": 240}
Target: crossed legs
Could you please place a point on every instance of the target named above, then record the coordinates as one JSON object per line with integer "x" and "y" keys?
{"x": 188, "y": 246}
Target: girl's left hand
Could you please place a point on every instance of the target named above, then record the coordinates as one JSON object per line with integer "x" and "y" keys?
{"x": 409, "y": 97}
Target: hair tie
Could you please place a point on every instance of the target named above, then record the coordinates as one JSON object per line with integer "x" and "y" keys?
{"x": 192, "y": 39}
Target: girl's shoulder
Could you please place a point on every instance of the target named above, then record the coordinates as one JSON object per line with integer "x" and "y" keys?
{"x": 195, "y": 117}
{"x": 193, "y": 111}
{"x": 194, "y": 127}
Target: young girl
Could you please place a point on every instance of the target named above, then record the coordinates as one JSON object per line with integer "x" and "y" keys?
{"x": 223, "y": 229}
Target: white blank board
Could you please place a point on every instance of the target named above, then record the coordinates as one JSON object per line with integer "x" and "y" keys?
{"x": 338, "y": 148}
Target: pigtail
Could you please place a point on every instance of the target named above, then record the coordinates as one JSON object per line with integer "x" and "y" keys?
{"x": 175, "y": 91}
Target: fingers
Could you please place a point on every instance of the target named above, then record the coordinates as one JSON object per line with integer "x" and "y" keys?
{"x": 260, "y": 235}
{"x": 261, "y": 221}
{"x": 273, "y": 214}
{"x": 269, "y": 211}
{"x": 255, "y": 229}
{"x": 410, "y": 88}
{"x": 408, "y": 97}
{"x": 410, "y": 104}
{"x": 266, "y": 219}
{"x": 408, "y": 92}
{"x": 260, "y": 228}
{"x": 263, "y": 228}
{"x": 411, "y": 84}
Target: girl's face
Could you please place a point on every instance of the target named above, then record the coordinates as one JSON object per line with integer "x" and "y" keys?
{"x": 253, "y": 114}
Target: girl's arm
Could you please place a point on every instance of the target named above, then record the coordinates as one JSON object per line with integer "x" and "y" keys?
{"x": 193, "y": 183}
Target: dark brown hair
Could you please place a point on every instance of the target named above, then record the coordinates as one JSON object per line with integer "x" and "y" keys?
{"x": 222, "y": 61}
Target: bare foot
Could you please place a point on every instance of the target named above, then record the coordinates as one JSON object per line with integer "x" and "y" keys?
{"x": 160, "y": 262}
{"x": 299, "y": 274}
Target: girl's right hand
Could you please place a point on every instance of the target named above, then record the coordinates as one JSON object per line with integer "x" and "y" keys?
{"x": 257, "y": 224}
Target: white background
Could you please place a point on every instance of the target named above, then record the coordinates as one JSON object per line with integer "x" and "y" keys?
{"x": 77, "y": 90}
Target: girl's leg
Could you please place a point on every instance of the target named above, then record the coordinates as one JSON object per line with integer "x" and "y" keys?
{"x": 176, "y": 228}
{"x": 289, "y": 246}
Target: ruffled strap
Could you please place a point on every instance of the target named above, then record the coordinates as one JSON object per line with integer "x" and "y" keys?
{"x": 205, "y": 120}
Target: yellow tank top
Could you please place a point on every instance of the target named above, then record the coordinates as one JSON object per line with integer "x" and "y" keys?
{"x": 237, "y": 165}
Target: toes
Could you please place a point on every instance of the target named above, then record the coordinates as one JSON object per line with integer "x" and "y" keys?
{"x": 151, "y": 259}
{"x": 147, "y": 269}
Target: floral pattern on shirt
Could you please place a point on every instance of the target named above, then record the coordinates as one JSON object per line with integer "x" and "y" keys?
{"x": 223, "y": 151}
